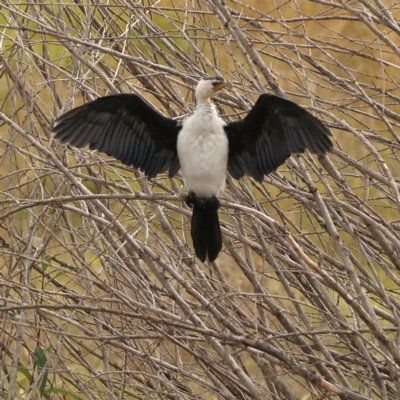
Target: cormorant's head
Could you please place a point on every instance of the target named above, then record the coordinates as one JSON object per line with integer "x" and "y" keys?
{"x": 209, "y": 87}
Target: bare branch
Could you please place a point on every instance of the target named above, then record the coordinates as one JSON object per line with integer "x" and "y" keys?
{"x": 101, "y": 294}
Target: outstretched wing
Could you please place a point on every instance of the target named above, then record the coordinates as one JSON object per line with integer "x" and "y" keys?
{"x": 125, "y": 127}
{"x": 273, "y": 130}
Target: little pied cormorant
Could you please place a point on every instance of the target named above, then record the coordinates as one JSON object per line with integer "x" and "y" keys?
{"x": 203, "y": 145}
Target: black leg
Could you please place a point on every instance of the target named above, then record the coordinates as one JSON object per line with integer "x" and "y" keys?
{"x": 192, "y": 200}
{"x": 210, "y": 204}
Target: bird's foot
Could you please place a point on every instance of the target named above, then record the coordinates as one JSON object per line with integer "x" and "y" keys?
{"x": 192, "y": 200}
{"x": 211, "y": 203}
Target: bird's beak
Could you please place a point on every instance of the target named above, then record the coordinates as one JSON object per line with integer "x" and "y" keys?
{"x": 221, "y": 85}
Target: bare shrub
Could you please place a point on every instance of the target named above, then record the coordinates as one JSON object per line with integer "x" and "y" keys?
{"x": 101, "y": 294}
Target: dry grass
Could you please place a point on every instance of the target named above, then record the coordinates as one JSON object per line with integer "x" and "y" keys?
{"x": 101, "y": 295}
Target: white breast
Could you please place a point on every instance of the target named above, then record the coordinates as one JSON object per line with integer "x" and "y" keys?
{"x": 203, "y": 152}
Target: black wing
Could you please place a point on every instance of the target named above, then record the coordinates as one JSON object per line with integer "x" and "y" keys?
{"x": 273, "y": 130}
{"x": 125, "y": 127}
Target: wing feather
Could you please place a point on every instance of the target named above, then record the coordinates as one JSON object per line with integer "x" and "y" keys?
{"x": 100, "y": 134}
{"x": 273, "y": 130}
{"x": 114, "y": 138}
{"x": 125, "y": 127}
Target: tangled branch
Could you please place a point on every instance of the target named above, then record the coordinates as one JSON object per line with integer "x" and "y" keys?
{"x": 102, "y": 296}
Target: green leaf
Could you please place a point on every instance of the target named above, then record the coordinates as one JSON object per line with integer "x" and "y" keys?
{"x": 62, "y": 391}
{"x": 39, "y": 240}
{"x": 54, "y": 277}
{"x": 23, "y": 213}
{"x": 46, "y": 261}
{"x": 25, "y": 371}
{"x": 14, "y": 313}
{"x": 40, "y": 357}
{"x": 79, "y": 318}
{"x": 43, "y": 382}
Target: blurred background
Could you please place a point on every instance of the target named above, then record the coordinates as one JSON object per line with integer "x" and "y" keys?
{"x": 101, "y": 295}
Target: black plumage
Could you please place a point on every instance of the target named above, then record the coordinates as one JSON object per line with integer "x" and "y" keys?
{"x": 205, "y": 229}
{"x": 274, "y": 129}
{"x": 125, "y": 127}
{"x": 206, "y": 233}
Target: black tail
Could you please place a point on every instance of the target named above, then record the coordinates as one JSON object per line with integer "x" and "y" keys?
{"x": 206, "y": 232}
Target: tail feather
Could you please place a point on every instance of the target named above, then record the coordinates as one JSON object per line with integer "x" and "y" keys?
{"x": 206, "y": 233}
{"x": 214, "y": 237}
{"x": 198, "y": 232}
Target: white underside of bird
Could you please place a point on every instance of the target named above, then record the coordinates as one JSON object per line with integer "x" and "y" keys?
{"x": 203, "y": 151}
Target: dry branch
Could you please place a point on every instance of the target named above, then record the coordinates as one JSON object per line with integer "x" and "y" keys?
{"x": 102, "y": 296}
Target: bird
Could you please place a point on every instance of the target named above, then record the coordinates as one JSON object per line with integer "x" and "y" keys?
{"x": 203, "y": 145}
